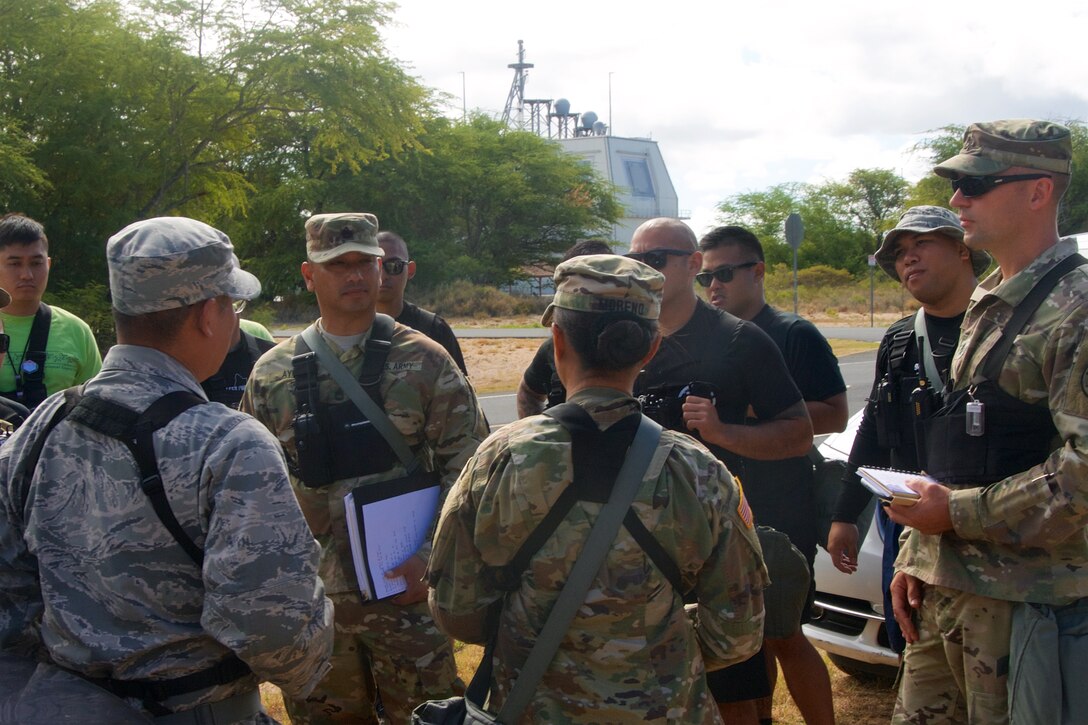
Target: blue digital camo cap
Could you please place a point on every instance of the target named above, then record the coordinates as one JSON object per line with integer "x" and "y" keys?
{"x": 170, "y": 262}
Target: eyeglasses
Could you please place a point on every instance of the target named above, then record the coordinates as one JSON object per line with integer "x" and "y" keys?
{"x": 972, "y": 186}
{"x": 238, "y": 306}
{"x": 723, "y": 273}
{"x": 658, "y": 258}
{"x": 394, "y": 266}
{"x": 5, "y": 342}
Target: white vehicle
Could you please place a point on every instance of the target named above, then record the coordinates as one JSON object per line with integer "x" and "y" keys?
{"x": 848, "y": 618}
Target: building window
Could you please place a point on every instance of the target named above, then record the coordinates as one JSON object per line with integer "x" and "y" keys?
{"x": 638, "y": 176}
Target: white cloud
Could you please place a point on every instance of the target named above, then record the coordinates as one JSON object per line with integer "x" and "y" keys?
{"x": 743, "y": 96}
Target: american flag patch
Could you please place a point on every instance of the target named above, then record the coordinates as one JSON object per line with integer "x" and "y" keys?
{"x": 743, "y": 509}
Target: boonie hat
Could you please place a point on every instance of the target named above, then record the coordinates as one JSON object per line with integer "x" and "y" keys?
{"x": 330, "y": 235}
{"x": 606, "y": 283}
{"x": 169, "y": 262}
{"x": 935, "y": 219}
{"x": 992, "y": 147}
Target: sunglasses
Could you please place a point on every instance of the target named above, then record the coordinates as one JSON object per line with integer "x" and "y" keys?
{"x": 5, "y": 342}
{"x": 723, "y": 273}
{"x": 972, "y": 186}
{"x": 394, "y": 266}
{"x": 238, "y": 305}
{"x": 658, "y": 258}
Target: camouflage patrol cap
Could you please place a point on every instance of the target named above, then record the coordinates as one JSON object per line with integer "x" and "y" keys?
{"x": 606, "y": 283}
{"x": 935, "y": 219}
{"x": 989, "y": 148}
{"x": 330, "y": 235}
{"x": 170, "y": 262}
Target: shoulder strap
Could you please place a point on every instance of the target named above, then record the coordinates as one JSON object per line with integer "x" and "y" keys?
{"x": 356, "y": 389}
{"x": 30, "y": 385}
{"x": 576, "y": 420}
{"x": 990, "y": 368}
{"x": 585, "y": 569}
{"x": 135, "y": 430}
{"x": 921, "y": 334}
{"x": 72, "y": 397}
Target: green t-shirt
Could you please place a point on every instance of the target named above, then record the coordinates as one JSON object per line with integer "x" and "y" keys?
{"x": 256, "y": 329}
{"x": 71, "y": 354}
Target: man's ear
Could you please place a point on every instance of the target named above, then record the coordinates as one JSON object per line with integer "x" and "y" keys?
{"x": 206, "y": 314}
{"x": 411, "y": 270}
{"x": 308, "y": 276}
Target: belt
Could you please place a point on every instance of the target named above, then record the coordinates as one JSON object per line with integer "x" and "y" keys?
{"x": 231, "y": 710}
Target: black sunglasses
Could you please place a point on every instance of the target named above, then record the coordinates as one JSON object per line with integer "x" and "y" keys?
{"x": 658, "y": 258}
{"x": 723, "y": 273}
{"x": 5, "y": 342}
{"x": 394, "y": 266}
{"x": 972, "y": 186}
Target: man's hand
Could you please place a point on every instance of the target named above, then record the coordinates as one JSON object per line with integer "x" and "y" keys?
{"x": 701, "y": 416}
{"x": 906, "y": 593}
{"x": 842, "y": 546}
{"x": 930, "y": 515}
{"x": 412, "y": 570}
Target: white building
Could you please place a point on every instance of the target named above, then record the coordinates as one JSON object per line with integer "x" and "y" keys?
{"x": 637, "y": 170}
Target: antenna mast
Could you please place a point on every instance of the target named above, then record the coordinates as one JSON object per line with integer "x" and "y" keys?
{"x": 515, "y": 102}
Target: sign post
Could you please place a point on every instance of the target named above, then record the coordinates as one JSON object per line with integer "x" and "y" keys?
{"x": 795, "y": 232}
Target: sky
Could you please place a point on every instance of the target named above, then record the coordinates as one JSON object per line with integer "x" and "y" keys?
{"x": 743, "y": 96}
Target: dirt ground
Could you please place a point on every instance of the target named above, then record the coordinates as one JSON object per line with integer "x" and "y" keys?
{"x": 495, "y": 365}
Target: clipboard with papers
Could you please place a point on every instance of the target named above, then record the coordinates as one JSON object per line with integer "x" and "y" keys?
{"x": 387, "y": 522}
{"x": 891, "y": 485}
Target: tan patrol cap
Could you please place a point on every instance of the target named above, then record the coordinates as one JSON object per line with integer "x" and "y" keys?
{"x": 990, "y": 148}
{"x": 330, "y": 235}
{"x": 606, "y": 283}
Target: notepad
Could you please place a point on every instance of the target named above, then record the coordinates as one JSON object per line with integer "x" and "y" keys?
{"x": 891, "y": 485}
{"x": 387, "y": 523}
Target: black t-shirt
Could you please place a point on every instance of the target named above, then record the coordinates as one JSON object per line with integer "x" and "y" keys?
{"x": 736, "y": 357}
{"x": 229, "y": 382}
{"x": 781, "y": 493}
{"x": 540, "y": 376}
{"x": 944, "y": 334}
{"x": 435, "y": 328}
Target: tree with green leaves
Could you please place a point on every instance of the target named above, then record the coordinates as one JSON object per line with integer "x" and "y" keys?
{"x": 478, "y": 201}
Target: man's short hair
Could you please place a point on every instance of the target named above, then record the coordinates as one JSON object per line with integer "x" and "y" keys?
{"x": 20, "y": 229}
{"x": 392, "y": 238}
{"x": 732, "y": 236}
{"x": 153, "y": 328}
{"x": 587, "y": 246}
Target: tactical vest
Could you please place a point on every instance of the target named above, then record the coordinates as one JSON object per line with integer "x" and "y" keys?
{"x": 1016, "y": 435}
{"x": 335, "y": 441}
{"x": 597, "y": 457}
{"x": 30, "y": 374}
{"x": 135, "y": 430}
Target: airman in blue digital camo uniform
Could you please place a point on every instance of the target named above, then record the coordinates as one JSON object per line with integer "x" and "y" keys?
{"x": 92, "y": 579}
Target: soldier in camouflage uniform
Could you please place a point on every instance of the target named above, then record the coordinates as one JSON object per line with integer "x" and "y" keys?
{"x": 1000, "y": 551}
{"x": 633, "y": 652}
{"x": 392, "y": 644}
{"x": 90, "y": 576}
